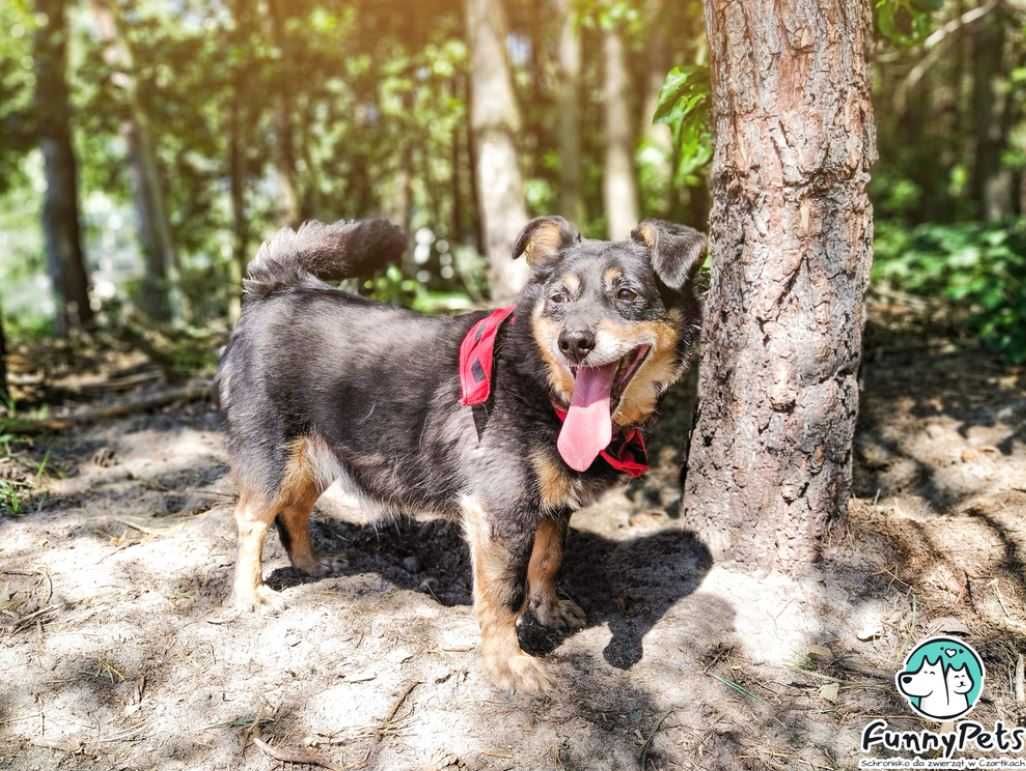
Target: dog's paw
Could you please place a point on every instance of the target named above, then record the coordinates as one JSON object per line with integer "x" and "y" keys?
{"x": 518, "y": 672}
{"x": 321, "y": 568}
{"x": 559, "y": 613}
{"x": 261, "y": 598}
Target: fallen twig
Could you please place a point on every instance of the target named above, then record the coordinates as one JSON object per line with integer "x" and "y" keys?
{"x": 648, "y": 742}
{"x": 387, "y": 722}
{"x": 191, "y": 392}
{"x": 292, "y": 756}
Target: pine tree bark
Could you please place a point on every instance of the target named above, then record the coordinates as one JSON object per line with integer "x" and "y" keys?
{"x": 791, "y": 246}
{"x": 154, "y": 230}
{"x": 568, "y": 96}
{"x": 619, "y": 188}
{"x": 65, "y": 256}
{"x": 495, "y": 121}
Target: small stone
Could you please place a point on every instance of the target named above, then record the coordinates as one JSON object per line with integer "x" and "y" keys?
{"x": 830, "y": 691}
{"x": 411, "y": 564}
{"x": 868, "y": 632}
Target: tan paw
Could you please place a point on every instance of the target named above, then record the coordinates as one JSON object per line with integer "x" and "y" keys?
{"x": 260, "y": 598}
{"x": 559, "y": 613}
{"x": 518, "y": 672}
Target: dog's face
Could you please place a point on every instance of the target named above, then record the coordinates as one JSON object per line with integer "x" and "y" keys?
{"x": 924, "y": 681}
{"x": 613, "y": 321}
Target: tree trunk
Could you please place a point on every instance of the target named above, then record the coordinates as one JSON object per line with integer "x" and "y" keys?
{"x": 4, "y": 393}
{"x": 568, "y": 97}
{"x": 65, "y": 257}
{"x": 285, "y": 151}
{"x": 495, "y": 120}
{"x": 154, "y": 231}
{"x": 620, "y": 191}
{"x": 791, "y": 246}
{"x": 658, "y": 137}
{"x": 990, "y": 188}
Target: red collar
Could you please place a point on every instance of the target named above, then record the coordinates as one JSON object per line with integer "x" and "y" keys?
{"x": 626, "y": 453}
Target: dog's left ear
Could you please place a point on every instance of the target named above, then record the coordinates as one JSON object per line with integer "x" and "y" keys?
{"x": 677, "y": 250}
{"x": 543, "y": 237}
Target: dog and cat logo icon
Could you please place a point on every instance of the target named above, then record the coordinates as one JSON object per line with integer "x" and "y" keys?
{"x": 942, "y": 678}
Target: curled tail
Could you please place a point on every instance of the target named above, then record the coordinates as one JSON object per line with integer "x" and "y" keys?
{"x": 330, "y": 252}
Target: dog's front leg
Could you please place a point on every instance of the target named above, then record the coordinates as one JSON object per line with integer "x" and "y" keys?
{"x": 500, "y": 557}
{"x": 546, "y": 556}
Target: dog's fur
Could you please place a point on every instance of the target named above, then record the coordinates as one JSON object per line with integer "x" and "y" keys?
{"x": 318, "y": 385}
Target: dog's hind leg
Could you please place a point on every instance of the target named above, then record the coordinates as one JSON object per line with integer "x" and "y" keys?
{"x": 293, "y": 524}
{"x": 310, "y": 469}
{"x": 253, "y": 516}
{"x": 500, "y": 593}
{"x": 546, "y": 556}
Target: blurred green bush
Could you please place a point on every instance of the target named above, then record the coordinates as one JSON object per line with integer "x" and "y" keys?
{"x": 979, "y": 268}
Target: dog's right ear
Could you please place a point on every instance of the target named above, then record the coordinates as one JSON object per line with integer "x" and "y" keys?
{"x": 542, "y": 238}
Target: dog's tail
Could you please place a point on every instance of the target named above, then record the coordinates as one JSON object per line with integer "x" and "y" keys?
{"x": 332, "y": 252}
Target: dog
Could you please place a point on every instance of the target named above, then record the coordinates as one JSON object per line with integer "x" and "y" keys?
{"x": 507, "y": 421}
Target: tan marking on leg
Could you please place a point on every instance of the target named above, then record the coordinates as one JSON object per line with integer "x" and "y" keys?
{"x": 505, "y": 663}
{"x": 546, "y": 557}
{"x": 302, "y": 483}
{"x": 253, "y": 517}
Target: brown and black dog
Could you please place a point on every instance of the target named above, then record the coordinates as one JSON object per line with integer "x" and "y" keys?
{"x": 319, "y": 385}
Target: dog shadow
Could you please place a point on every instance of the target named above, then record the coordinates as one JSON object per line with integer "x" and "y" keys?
{"x": 628, "y": 585}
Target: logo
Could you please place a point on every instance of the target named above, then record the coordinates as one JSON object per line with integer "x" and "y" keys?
{"x": 942, "y": 678}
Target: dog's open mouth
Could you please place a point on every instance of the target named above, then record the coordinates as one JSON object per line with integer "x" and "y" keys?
{"x": 588, "y": 426}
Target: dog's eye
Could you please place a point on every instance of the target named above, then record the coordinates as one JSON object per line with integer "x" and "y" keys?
{"x": 558, "y": 298}
{"x": 626, "y": 295}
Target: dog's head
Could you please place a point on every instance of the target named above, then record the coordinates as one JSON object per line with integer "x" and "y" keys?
{"x": 924, "y": 681}
{"x": 614, "y": 322}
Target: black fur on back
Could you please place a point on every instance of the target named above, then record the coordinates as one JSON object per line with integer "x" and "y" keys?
{"x": 326, "y": 251}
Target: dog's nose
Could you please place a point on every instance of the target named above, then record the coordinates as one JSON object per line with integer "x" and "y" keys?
{"x": 576, "y": 344}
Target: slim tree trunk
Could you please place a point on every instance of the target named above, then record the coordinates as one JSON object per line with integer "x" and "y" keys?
{"x": 989, "y": 187}
{"x": 285, "y": 151}
{"x": 4, "y": 393}
{"x": 791, "y": 245}
{"x": 495, "y": 121}
{"x": 154, "y": 231}
{"x": 568, "y": 98}
{"x": 658, "y": 136}
{"x": 65, "y": 257}
{"x": 621, "y": 194}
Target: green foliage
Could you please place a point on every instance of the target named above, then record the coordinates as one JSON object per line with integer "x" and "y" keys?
{"x": 684, "y": 106}
{"x": 11, "y": 503}
{"x": 978, "y": 268}
{"x": 905, "y": 23}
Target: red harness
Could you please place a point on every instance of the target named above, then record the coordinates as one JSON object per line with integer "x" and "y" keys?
{"x": 626, "y": 453}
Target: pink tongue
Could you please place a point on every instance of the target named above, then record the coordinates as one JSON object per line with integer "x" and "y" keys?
{"x": 588, "y": 427}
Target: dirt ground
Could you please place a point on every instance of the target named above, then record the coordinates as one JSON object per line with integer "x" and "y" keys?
{"x": 118, "y": 650}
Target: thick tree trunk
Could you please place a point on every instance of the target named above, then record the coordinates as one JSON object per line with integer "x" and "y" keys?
{"x": 568, "y": 95}
{"x": 791, "y": 245}
{"x": 495, "y": 121}
{"x": 65, "y": 257}
{"x": 285, "y": 150}
{"x": 620, "y": 191}
{"x": 154, "y": 231}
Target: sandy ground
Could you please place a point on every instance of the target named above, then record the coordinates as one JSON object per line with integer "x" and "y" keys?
{"x": 118, "y": 650}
